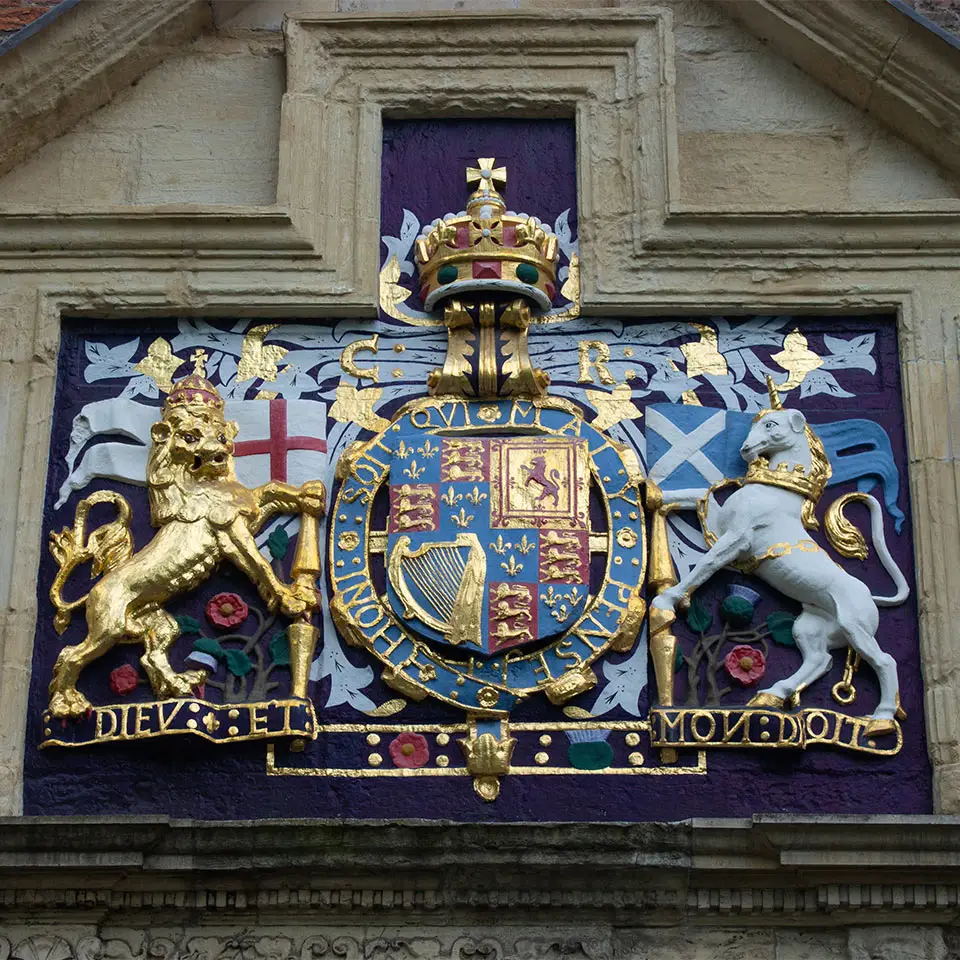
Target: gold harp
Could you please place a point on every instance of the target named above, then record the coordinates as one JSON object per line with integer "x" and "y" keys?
{"x": 450, "y": 577}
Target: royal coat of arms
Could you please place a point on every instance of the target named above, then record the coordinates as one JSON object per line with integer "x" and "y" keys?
{"x": 486, "y": 534}
{"x": 493, "y": 543}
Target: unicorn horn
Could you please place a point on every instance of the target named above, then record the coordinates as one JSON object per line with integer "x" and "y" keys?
{"x": 775, "y": 403}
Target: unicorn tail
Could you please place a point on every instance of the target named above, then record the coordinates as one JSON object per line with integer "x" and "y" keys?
{"x": 848, "y": 541}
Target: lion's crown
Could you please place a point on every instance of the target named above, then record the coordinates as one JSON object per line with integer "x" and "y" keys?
{"x": 194, "y": 389}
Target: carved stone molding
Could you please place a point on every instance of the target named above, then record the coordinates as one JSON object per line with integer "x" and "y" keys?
{"x": 264, "y": 943}
{"x": 770, "y": 870}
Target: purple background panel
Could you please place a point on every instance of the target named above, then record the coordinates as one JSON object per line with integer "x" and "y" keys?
{"x": 187, "y": 778}
{"x": 423, "y": 171}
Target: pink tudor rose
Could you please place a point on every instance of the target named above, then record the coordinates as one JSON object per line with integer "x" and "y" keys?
{"x": 227, "y": 610}
{"x": 745, "y": 664}
{"x": 124, "y": 679}
{"x": 409, "y": 750}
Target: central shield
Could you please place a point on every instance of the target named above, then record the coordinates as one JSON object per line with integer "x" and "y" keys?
{"x": 488, "y": 539}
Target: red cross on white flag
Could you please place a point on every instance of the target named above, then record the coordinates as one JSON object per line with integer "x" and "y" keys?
{"x": 282, "y": 440}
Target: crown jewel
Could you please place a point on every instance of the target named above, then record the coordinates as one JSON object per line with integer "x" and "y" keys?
{"x": 195, "y": 389}
{"x": 487, "y": 247}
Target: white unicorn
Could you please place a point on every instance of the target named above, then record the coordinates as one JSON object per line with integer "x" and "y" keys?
{"x": 761, "y": 528}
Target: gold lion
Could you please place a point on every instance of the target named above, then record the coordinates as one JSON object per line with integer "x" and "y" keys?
{"x": 204, "y": 516}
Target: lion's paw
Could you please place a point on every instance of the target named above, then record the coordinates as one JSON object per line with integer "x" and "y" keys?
{"x": 313, "y": 497}
{"x": 182, "y": 684}
{"x": 292, "y": 606}
{"x": 69, "y": 703}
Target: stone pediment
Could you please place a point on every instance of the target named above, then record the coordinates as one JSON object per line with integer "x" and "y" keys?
{"x": 872, "y": 55}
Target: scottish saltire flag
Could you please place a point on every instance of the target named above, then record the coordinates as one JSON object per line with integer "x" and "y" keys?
{"x": 278, "y": 440}
{"x": 689, "y": 448}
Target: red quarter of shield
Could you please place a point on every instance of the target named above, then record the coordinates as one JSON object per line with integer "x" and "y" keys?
{"x": 565, "y": 556}
{"x": 511, "y": 614}
{"x": 414, "y": 507}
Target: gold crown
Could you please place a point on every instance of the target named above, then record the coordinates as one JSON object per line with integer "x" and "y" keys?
{"x": 194, "y": 389}
{"x": 487, "y": 248}
{"x": 758, "y": 471}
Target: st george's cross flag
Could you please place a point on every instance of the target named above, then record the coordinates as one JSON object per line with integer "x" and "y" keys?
{"x": 282, "y": 440}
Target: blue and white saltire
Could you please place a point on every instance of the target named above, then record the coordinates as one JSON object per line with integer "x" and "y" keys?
{"x": 690, "y": 448}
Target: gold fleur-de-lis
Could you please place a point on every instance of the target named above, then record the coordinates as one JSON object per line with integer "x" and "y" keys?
{"x": 462, "y": 519}
{"x": 428, "y": 451}
{"x": 160, "y": 363}
{"x": 476, "y": 497}
{"x": 451, "y": 498}
{"x": 211, "y": 722}
{"x": 559, "y": 613}
{"x": 526, "y": 545}
{"x": 414, "y": 471}
{"x": 550, "y": 598}
{"x": 500, "y": 545}
{"x": 403, "y": 451}
{"x": 511, "y": 566}
{"x": 573, "y": 596}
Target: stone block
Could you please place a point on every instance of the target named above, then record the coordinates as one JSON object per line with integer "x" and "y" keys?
{"x": 695, "y": 943}
{"x": 896, "y": 943}
{"x": 763, "y": 170}
{"x": 758, "y": 92}
{"x": 811, "y": 945}
{"x": 885, "y": 169}
{"x": 203, "y": 127}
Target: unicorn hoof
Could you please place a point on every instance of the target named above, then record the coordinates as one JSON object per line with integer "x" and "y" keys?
{"x": 880, "y": 726}
{"x": 901, "y": 714}
{"x": 766, "y": 700}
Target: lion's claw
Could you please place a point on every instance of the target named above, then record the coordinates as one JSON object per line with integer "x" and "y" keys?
{"x": 69, "y": 703}
{"x": 182, "y": 684}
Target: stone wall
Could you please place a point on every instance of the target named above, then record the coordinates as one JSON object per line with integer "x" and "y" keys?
{"x": 203, "y": 127}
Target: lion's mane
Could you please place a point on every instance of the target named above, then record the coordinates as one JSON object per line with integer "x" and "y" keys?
{"x": 175, "y": 495}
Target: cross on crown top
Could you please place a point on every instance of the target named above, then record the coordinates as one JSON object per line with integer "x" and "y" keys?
{"x": 486, "y": 175}
{"x": 199, "y": 360}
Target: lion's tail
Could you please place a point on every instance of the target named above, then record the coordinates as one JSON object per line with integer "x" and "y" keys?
{"x": 847, "y": 540}
{"x": 106, "y": 547}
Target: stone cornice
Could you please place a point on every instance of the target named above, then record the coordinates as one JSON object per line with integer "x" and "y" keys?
{"x": 771, "y": 868}
{"x": 874, "y": 56}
